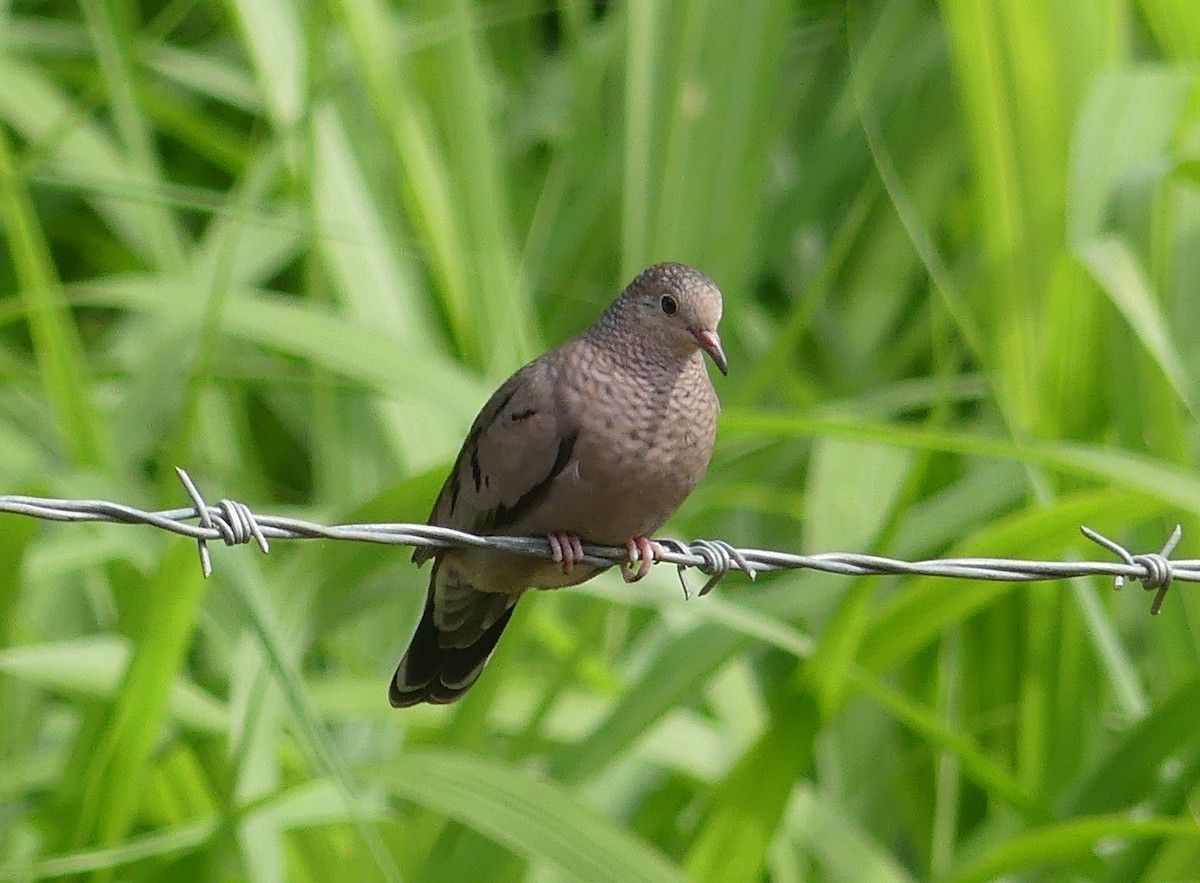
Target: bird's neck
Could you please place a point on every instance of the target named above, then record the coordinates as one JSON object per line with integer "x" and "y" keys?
{"x": 611, "y": 334}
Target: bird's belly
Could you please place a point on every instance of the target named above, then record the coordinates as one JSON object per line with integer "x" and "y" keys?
{"x": 614, "y": 492}
{"x": 624, "y": 506}
{"x": 489, "y": 570}
{"x": 618, "y": 484}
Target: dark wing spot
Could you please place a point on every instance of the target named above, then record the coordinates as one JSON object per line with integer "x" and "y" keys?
{"x": 503, "y": 516}
{"x": 447, "y": 500}
{"x": 504, "y": 401}
{"x": 483, "y": 424}
{"x": 523, "y": 415}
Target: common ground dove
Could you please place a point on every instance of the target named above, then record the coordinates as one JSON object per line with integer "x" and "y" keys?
{"x": 599, "y": 440}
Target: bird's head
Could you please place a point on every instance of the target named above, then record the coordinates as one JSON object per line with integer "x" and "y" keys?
{"x": 679, "y": 309}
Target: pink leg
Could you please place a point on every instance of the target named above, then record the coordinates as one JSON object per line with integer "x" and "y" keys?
{"x": 644, "y": 551}
{"x": 565, "y": 549}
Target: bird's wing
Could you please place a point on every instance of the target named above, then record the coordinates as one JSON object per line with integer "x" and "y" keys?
{"x": 517, "y": 446}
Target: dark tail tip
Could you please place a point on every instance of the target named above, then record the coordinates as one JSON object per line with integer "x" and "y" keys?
{"x": 430, "y": 672}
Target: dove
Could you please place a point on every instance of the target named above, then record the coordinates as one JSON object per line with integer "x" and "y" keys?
{"x": 599, "y": 440}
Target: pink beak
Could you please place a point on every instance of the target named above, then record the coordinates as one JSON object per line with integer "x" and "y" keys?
{"x": 710, "y": 342}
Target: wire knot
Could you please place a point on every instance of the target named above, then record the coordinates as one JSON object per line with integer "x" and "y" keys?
{"x": 233, "y": 521}
{"x": 717, "y": 559}
{"x": 1157, "y": 579}
{"x": 1157, "y": 572}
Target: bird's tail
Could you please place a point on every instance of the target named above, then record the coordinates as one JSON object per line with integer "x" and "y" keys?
{"x": 442, "y": 663}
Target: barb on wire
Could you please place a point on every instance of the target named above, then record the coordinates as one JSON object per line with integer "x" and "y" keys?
{"x": 233, "y": 523}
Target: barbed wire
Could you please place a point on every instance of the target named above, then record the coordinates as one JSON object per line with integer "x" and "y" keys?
{"x": 233, "y": 523}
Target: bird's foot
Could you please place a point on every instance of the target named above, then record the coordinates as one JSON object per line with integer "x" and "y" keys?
{"x": 643, "y": 551}
{"x": 566, "y": 550}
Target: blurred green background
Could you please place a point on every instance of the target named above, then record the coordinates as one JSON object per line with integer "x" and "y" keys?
{"x": 292, "y": 246}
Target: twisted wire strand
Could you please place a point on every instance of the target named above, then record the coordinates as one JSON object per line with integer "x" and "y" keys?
{"x": 234, "y": 523}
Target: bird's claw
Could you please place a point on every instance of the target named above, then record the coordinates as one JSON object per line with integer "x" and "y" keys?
{"x": 643, "y": 551}
{"x": 566, "y": 550}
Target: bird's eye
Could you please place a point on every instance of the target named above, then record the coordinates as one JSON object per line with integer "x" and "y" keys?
{"x": 669, "y": 305}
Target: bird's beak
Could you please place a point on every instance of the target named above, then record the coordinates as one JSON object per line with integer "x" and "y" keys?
{"x": 710, "y": 342}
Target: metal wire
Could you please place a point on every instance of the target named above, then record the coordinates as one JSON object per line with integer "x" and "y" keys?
{"x": 233, "y": 523}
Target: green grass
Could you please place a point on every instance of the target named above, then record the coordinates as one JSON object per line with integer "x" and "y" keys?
{"x": 291, "y": 247}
